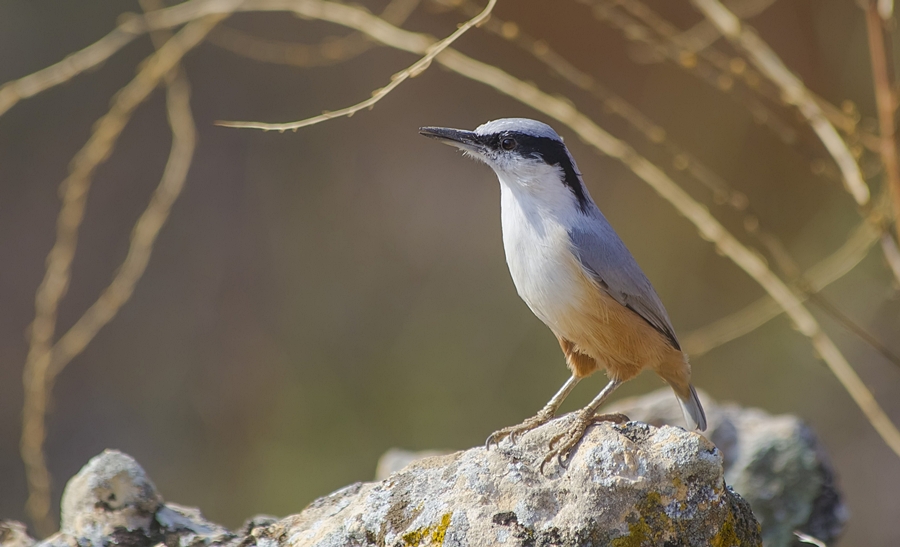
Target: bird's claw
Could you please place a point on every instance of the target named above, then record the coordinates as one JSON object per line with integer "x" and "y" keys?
{"x": 512, "y": 433}
{"x": 562, "y": 446}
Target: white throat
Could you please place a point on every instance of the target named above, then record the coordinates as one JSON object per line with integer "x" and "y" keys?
{"x": 538, "y": 192}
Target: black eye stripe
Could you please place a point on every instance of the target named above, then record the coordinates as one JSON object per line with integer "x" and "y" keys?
{"x": 551, "y": 151}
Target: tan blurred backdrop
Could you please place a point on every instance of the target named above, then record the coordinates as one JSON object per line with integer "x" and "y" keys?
{"x": 321, "y": 296}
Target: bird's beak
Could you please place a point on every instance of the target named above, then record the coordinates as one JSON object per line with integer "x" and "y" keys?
{"x": 465, "y": 140}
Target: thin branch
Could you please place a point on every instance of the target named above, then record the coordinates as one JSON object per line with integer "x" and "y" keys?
{"x": 703, "y": 34}
{"x": 413, "y": 70}
{"x": 74, "y": 64}
{"x": 891, "y": 253}
{"x": 145, "y": 231}
{"x": 700, "y": 67}
{"x": 330, "y": 51}
{"x": 39, "y": 366}
{"x": 792, "y": 89}
{"x": 760, "y": 312}
{"x": 886, "y": 100}
{"x": 854, "y": 327}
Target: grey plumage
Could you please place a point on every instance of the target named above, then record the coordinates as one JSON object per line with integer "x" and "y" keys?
{"x": 602, "y": 252}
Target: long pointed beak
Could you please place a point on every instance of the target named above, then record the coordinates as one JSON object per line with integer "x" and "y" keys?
{"x": 466, "y": 140}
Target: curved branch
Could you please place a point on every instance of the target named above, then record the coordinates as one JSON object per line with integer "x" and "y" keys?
{"x": 412, "y": 71}
{"x": 40, "y": 365}
{"x": 792, "y": 89}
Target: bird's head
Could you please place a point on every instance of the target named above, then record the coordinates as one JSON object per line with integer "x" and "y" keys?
{"x": 524, "y": 153}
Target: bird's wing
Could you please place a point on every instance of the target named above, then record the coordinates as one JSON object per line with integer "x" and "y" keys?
{"x": 602, "y": 253}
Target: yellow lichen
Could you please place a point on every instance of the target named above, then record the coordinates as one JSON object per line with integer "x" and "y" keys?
{"x": 651, "y": 527}
{"x": 728, "y": 534}
{"x": 726, "y": 537}
{"x": 434, "y": 533}
{"x": 437, "y": 536}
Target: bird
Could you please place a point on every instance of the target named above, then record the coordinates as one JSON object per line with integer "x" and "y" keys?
{"x": 575, "y": 274}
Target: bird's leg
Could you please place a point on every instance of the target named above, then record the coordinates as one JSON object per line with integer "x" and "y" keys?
{"x": 542, "y": 417}
{"x": 562, "y": 445}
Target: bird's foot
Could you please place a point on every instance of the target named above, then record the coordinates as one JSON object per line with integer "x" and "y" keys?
{"x": 563, "y": 445}
{"x": 511, "y": 432}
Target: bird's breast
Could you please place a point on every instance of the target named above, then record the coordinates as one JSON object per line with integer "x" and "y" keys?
{"x": 545, "y": 271}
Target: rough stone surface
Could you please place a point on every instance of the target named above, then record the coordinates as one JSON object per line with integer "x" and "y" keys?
{"x": 110, "y": 492}
{"x": 14, "y": 534}
{"x": 776, "y": 463}
{"x": 629, "y": 485}
{"x": 111, "y": 501}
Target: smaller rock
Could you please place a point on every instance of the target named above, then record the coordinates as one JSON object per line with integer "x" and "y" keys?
{"x": 775, "y": 462}
{"x": 111, "y": 492}
{"x": 14, "y": 534}
{"x": 111, "y": 501}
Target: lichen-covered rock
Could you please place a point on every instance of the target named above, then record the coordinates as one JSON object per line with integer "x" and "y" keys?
{"x": 112, "y": 501}
{"x": 110, "y": 492}
{"x": 626, "y": 485}
{"x": 774, "y": 462}
{"x": 630, "y": 485}
{"x": 14, "y": 534}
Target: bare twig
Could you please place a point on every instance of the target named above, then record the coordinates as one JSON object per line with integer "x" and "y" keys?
{"x": 886, "y": 100}
{"x": 329, "y": 52}
{"x": 703, "y": 34}
{"x": 40, "y": 365}
{"x": 854, "y": 327}
{"x": 755, "y": 315}
{"x": 792, "y": 89}
{"x": 413, "y": 70}
{"x": 145, "y": 230}
{"x": 891, "y": 253}
{"x": 74, "y": 64}
{"x": 717, "y": 68}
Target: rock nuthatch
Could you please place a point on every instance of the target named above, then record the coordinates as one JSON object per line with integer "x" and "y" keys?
{"x": 573, "y": 271}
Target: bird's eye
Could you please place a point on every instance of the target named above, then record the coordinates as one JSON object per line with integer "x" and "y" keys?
{"x": 508, "y": 143}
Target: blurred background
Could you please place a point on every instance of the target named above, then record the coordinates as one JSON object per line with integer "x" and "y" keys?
{"x": 319, "y": 297}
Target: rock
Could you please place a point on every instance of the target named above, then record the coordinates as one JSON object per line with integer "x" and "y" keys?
{"x": 626, "y": 485}
{"x": 111, "y": 501}
{"x": 14, "y": 534}
{"x": 776, "y": 463}
{"x": 110, "y": 492}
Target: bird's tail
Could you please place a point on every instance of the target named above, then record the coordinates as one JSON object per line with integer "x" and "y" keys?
{"x": 692, "y": 409}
